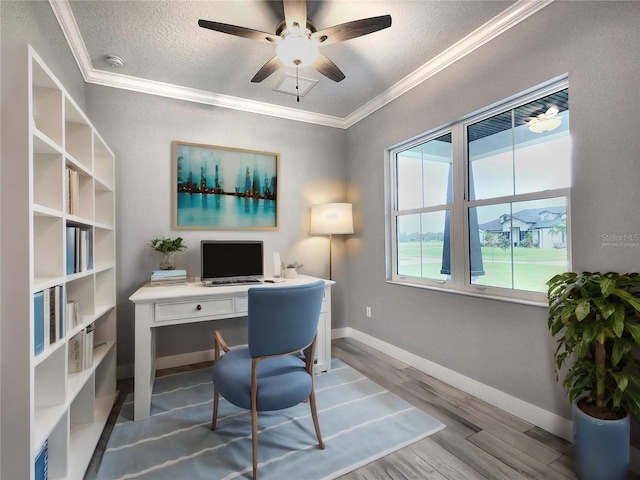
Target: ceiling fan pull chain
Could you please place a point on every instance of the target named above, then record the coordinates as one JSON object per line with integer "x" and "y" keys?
{"x": 297, "y": 88}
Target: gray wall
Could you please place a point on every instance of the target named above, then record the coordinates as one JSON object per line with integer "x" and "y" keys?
{"x": 140, "y": 128}
{"x": 502, "y": 344}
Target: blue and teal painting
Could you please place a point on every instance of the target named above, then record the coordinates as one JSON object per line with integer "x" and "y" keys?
{"x": 226, "y": 188}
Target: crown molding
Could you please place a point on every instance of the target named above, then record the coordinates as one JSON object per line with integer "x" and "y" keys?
{"x": 510, "y": 17}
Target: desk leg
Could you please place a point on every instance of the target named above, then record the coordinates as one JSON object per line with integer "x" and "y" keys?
{"x": 145, "y": 361}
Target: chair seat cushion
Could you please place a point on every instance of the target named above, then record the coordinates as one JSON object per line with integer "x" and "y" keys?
{"x": 288, "y": 383}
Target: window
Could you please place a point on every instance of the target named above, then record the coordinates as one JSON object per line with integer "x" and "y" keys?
{"x": 482, "y": 206}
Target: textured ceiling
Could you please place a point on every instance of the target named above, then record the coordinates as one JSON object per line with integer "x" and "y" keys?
{"x": 160, "y": 41}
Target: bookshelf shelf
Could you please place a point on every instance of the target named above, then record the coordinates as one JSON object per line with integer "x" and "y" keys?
{"x": 69, "y": 188}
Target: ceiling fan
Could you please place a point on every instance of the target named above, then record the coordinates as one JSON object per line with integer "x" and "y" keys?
{"x": 545, "y": 122}
{"x": 297, "y": 39}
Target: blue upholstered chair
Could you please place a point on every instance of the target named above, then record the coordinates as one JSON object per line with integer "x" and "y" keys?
{"x": 269, "y": 373}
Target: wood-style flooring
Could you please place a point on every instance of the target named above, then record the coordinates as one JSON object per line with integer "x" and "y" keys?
{"x": 480, "y": 441}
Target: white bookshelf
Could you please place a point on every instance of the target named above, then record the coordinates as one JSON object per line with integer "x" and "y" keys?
{"x": 67, "y": 410}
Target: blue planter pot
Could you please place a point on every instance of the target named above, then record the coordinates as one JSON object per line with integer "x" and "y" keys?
{"x": 601, "y": 447}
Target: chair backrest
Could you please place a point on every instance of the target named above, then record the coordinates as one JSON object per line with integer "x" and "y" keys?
{"x": 283, "y": 319}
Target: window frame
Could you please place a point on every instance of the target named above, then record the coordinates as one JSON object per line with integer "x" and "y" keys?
{"x": 459, "y": 238}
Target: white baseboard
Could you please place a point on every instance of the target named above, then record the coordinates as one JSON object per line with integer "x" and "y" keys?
{"x": 549, "y": 421}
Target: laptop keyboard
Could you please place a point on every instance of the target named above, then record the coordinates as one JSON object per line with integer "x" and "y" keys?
{"x": 231, "y": 281}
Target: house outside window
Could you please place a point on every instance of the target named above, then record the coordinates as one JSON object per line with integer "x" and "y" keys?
{"x": 482, "y": 206}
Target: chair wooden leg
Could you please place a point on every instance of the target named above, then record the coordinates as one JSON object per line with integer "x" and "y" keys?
{"x": 254, "y": 442}
{"x": 214, "y": 419}
{"x": 314, "y": 415}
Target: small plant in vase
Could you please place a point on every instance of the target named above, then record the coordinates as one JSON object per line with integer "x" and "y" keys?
{"x": 290, "y": 270}
{"x": 167, "y": 248}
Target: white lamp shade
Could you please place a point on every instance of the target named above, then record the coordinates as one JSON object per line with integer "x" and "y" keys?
{"x": 331, "y": 218}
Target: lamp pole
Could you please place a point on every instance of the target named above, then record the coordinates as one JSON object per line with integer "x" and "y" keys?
{"x": 330, "y": 240}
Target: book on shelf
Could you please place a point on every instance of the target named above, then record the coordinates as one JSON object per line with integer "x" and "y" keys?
{"x": 79, "y": 249}
{"x": 73, "y": 314}
{"x": 38, "y": 322}
{"x": 48, "y": 317}
{"x": 80, "y": 350}
{"x": 88, "y": 346}
{"x": 41, "y": 464}
{"x": 72, "y": 180}
{"x": 168, "y": 277}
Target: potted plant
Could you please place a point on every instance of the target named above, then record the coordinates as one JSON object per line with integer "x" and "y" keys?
{"x": 167, "y": 249}
{"x": 595, "y": 319}
{"x": 290, "y": 270}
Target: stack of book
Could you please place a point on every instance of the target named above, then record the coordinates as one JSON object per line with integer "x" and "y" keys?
{"x": 168, "y": 277}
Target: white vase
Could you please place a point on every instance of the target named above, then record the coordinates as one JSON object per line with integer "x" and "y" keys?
{"x": 290, "y": 273}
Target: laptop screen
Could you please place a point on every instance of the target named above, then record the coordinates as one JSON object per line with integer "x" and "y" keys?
{"x": 224, "y": 259}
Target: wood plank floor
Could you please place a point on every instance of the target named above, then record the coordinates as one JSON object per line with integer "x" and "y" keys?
{"x": 480, "y": 441}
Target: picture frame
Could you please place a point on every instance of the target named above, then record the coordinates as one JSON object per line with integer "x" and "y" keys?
{"x": 223, "y": 188}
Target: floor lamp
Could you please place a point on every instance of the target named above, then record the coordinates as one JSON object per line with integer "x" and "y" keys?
{"x": 331, "y": 219}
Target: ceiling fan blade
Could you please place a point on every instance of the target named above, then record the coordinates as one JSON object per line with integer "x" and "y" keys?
{"x": 239, "y": 31}
{"x": 295, "y": 14}
{"x": 328, "y": 68}
{"x": 349, "y": 30}
{"x": 267, "y": 69}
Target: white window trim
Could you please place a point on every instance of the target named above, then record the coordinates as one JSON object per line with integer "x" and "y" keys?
{"x": 459, "y": 227}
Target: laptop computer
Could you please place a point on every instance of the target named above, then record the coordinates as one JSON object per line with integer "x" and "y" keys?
{"x": 236, "y": 262}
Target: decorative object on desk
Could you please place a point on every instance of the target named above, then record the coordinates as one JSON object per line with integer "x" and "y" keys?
{"x": 176, "y": 440}
{"x": 290, "y": 270}
{"x": 595, "y": 319}
{"x": 331, "y": 219}
{"x": 224, "y": 188}
{"x": 163, "y": 278}
{"x": 167, "y": 249}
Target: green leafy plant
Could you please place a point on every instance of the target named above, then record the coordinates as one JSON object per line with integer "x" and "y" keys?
{"x": 295, "y": 265}
{"x": 595, "y": 319}
{"x": 166, "y": 245}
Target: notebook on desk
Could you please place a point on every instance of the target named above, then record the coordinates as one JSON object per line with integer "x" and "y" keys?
{"x": 225, "y": 263}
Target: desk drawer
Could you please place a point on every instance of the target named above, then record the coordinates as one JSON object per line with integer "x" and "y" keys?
{"x": 242, "y": 303}
{"x": 194, "y": 309}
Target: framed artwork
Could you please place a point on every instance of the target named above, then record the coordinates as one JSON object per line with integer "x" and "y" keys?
{"x": 224, "y": 188}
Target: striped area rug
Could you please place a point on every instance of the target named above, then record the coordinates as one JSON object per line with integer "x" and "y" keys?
{"x": 360, "y": 422}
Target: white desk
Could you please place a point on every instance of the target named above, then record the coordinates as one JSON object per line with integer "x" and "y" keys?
{"x": 161, "y": 306}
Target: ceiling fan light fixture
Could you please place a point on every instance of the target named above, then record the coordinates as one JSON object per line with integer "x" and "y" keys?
{"x": 545, "y": 122}
{"x": 297, "y": 51}
{"x": 544, "y": 125}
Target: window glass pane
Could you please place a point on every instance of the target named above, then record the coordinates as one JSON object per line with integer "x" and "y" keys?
{"x": 423, "y": 174}
{"x": 523, "y": 244}
{"x": 423, "y": 245}
{"x": 409, "y": 179}
{"x": 523, "y": 150}
{"x": 490, "y": 157}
